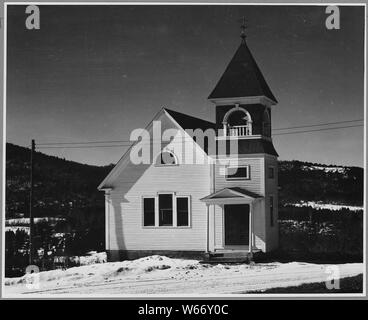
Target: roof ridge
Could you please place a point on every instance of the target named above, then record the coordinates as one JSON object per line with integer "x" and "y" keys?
{"x": 187, "y": 115}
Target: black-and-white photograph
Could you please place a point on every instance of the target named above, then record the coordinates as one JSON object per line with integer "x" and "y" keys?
{"x": 183, "y": 150}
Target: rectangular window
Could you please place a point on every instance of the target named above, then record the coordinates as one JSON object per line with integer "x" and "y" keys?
{"x": 271, "y": 211}
{"x": 148, "y": 212}
{"x": 166, "y": 209}
{"x": 182, "y": 211}
{"x": 165, "y": 204}
{"x": 237, "y": 173}
{"x": 271, "y": 172}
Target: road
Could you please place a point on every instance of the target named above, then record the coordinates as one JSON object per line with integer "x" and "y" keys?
{"x": 206, "y": 281}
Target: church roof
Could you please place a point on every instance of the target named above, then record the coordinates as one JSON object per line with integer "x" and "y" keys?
{"x": 242, "y": 78}
{"x": 189, "y": 122}
{"x": 245, "y": 146}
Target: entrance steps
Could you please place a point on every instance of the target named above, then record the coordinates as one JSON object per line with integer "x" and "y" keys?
{"x": 230, "y": 256}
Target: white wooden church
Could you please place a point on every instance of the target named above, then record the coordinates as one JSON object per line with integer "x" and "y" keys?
{"x": 212, "y": 209}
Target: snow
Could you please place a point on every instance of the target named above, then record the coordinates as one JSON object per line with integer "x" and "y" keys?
{"x": 58, "y": 235}
{"x": 325, "y": 169}
{"x": 160, "y": 275}
{"x": 25, "y": 221}
{"x": 16, "y": 228}
{"x": 328, "y": 206}
{"x": 92, "y": 258}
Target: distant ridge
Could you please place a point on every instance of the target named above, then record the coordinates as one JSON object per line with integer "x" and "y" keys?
{"x": 64, "y": 187}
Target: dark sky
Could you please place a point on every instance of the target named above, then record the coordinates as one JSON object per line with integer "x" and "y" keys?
{"x": 98, "y": 72}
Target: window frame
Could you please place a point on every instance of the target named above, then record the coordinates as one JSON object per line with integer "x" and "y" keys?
{"x": 227, "y": 178}
{"x": 154, "y": 211}
{"x": 173, "y": 208}
{"x": 158, "y": 160}
{"x": 273, "y": 171}
{"x": 189, "y": 211}
{"x": 175, "y": 214}
{"x": 272, "y": 210}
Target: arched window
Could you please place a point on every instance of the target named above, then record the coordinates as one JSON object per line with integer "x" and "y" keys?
{"x": 237, "y": 122}
{"x": 166, "y": 158}
{"x": 266, "y": 124}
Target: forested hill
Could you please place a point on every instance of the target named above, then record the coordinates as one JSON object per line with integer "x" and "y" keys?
{"x": 316, "y": 182}
{"x": 61, "y": 186}
{"x": 65, "y": 187}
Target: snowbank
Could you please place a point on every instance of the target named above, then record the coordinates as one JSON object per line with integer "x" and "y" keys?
{"x": 162, "y": 275}
{"x": 107, "y": 270}
{"x": 328, "y": 206}
{"x": 93, "y": 257}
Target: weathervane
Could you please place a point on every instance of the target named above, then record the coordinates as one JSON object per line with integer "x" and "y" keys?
{"x": 243, "y": 27}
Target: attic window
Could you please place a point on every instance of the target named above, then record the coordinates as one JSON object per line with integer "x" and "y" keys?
{"x": 166, "y": 158}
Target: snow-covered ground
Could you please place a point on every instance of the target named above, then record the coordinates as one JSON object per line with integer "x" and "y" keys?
{"x": 320, "y": 205}
{"x": 14, "y": 229}
{"x": 325, "y": 168}
{"x": 160, "y": 275}
{"x": 25, "y": 221}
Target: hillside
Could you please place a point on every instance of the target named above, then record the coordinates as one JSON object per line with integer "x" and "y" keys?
{"x": 61, "y": 186}
{"x": 65, "y": 187}
{"x": 304, "y": 181}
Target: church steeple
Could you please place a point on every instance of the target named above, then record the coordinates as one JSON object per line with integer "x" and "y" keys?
{"x": 243, "y": 27}
{"x": 243, "y": 102}
{"x": 242, "y": 77}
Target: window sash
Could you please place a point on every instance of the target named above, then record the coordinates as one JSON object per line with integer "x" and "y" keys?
{"x": 271, "y": 172}
{"x": 182, "y": 214}
{"x": 237, "y": 174}
{"x": 168, "y": 212}
{"x": 148, "y": 211}
{"x": 166, "y": 158}
{"x": 165, "y": 207}
{"x": 271, "y": 211}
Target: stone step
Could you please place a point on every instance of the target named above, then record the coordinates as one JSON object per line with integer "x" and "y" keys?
{"x": 224, "y": 260}
{"x": 227, "y": 257}
{"x": 230, "y": 254}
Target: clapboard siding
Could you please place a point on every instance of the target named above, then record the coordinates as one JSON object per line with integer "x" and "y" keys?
{"x": 271, "y": 186}
{"x": 254, "y": 184}
{"x": 259, "y": 227}
{"x": 126, "y": 213}
{"x": 127, "y": 232}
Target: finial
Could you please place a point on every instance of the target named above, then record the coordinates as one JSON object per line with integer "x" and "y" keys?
{"x": 243, "y": 27}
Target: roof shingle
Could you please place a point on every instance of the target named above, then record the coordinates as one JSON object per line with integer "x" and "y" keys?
{"x": 242, "y": 78}
{"x": 189, "y": 122}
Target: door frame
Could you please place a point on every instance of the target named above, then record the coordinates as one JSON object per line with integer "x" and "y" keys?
{"x": 232, "y": 246}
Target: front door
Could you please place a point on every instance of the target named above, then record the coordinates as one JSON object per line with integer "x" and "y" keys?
{"x": 236, "y": 224}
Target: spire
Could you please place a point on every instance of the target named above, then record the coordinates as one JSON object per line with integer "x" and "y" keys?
{"x": 242, "y": 77}
{"x": 243, "y": 27}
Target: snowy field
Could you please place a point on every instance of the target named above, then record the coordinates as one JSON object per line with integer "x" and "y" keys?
{"x": 332, "y": 169}
{"x": 160, "y": 275}
{"x": 328, "y": 206}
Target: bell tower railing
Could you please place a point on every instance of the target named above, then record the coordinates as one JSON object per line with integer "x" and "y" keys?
{"x": 238, "y": 131}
